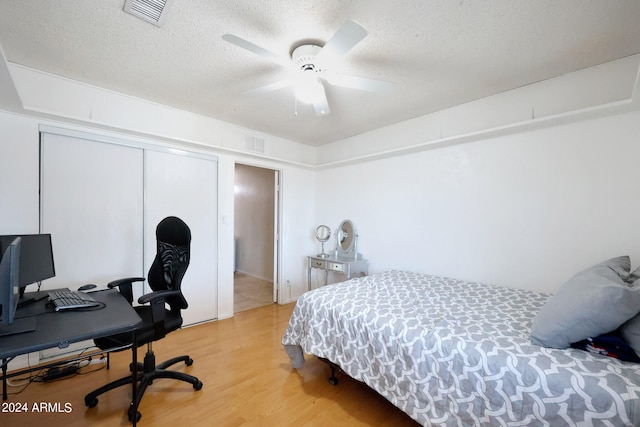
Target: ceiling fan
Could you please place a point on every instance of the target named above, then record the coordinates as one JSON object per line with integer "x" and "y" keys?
{"x": 312, "y": 65}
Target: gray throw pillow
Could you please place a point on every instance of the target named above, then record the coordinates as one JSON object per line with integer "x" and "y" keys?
{"x": 620, "y": 265}
{"x": 591, "y": 303}
{"x": 630, "y": 332}
{"x": 634, "y": 276}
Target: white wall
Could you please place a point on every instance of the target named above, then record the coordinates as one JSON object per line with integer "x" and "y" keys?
{"x": 525, "y": 210}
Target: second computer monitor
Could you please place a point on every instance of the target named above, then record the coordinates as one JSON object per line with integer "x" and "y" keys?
{"x": 36, "y": 258}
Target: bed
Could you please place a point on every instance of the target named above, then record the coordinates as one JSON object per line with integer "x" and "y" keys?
{"x": 454, "y": 353}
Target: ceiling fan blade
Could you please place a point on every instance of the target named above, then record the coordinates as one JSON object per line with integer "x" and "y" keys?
{"x": 359, "y": 83}
{"x": 269, "y": 88}
{"x": 321, "y": 105}
{"x": 254, "y": 48}
{"x": 349, "y": 35}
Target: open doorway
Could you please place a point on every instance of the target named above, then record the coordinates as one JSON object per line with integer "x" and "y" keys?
{"x": 255, "y": 236}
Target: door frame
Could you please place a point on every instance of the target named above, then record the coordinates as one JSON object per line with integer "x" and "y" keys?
{"x": 277, "y": 224}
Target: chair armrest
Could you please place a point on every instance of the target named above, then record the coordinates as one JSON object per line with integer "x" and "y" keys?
{"x": 125, "y": 286}
{"x": 120, "y": 282}
{"x": 157, "y": 296}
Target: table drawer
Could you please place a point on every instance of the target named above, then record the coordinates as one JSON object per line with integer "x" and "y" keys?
{"x": 316, "y": 263}
{"x": 335, "y": 266}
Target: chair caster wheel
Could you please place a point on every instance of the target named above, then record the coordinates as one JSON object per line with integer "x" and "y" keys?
{"x": 189, "y": 362}
{"x": 198, "y": 385}
{"x": 333, "y": 380}
{"x": 91, "y": 402}
{"x": 138, "y": 415}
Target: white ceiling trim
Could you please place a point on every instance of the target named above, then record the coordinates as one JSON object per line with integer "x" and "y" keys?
{"x": 95, "y": 106}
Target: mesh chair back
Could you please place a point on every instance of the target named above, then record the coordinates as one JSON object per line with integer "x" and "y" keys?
{"x": 173, "y": 245}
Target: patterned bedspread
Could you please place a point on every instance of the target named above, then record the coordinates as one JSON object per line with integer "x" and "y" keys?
{"x": 455, "y": 353}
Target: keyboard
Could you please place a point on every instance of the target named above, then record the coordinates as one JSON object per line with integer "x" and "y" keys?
{"x": 66, "y": 299}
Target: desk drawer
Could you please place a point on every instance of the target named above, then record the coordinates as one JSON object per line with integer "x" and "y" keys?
{"x": 316, "y": 263}
{"x": 335, "y": 266}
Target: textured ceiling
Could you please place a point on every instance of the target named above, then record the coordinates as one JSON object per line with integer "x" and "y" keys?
{"x": 439, "y": 53}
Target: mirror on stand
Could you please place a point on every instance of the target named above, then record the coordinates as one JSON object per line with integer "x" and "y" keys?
{"x": 323, "y": 234}
{"x": 347, "y": 240}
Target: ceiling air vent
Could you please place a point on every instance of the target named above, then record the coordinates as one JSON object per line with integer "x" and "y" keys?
{"x": 154, "y": 11}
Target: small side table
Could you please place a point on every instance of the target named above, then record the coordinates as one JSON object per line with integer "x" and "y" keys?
{"x": 348, "y": 266}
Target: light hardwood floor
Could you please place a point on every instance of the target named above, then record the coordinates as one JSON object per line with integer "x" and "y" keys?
{"x": 248, "y": 381}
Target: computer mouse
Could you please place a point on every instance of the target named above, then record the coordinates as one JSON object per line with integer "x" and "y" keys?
{"x": 86, "y": 287}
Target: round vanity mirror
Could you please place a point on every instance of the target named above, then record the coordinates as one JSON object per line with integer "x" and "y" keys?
{"x": 346, "y": 236}
{"x": 323, "y": 233}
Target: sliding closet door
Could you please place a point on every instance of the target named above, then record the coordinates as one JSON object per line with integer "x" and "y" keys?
{"x": 92, "y": 204}
{"x": 185, "y": 186}
{"x": 101, "y": 201}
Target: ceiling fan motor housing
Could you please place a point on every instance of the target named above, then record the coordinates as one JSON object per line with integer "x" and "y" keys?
{"x": 304, "y": 56}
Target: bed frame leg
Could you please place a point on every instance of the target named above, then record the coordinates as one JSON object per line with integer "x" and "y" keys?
{"x": 333, "y": 380}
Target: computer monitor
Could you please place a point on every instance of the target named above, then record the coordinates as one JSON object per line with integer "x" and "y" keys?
{"x": 10, "y": 268}
{"x": 36, "y": 259}
{"x": 10, "y": 281}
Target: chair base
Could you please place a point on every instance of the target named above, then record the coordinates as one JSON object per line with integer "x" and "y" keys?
{"x": 146, "y": 375}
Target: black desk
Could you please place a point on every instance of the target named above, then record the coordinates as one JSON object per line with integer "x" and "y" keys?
{"x": 59, "y": 329}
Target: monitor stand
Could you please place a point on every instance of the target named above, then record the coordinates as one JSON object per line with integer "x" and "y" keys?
{"x": 19, "y": 326}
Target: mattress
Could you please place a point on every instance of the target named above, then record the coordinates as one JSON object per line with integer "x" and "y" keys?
{"x": 454, "y": 353}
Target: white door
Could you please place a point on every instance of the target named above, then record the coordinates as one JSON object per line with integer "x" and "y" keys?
{"x": 186, "y": 186}
{"x": 91, "y": 203}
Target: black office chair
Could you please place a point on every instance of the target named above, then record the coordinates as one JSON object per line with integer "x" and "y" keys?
{"x": 173, "y": 240}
